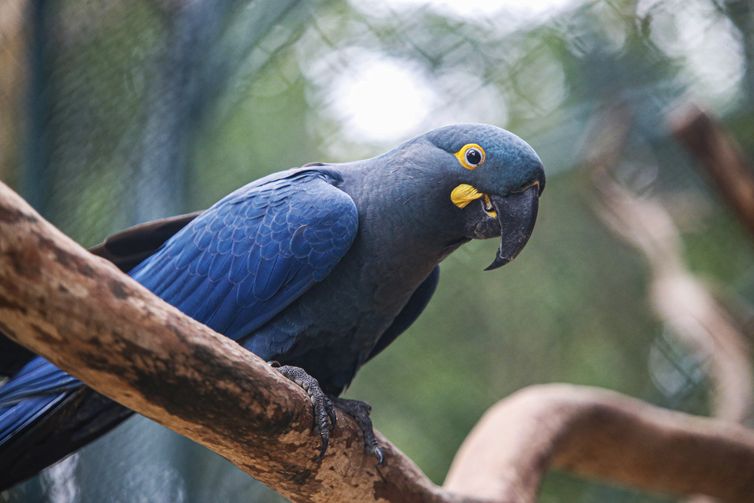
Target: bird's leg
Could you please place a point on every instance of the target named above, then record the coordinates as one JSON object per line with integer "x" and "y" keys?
{"x": 360, "y": 412}
{"x": 324, "y": 412}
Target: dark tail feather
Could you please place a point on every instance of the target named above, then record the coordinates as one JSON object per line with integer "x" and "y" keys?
{"x": 129, "y": 247}
{"x": 44, "y": 433}
{"x": 12, "y": 356}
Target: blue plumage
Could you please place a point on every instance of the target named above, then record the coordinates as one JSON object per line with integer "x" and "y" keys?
{"x": 233, "y": 268}
{"x": 38, "y": 386}
{"x": 250, "y": 255}
{"x": 319, "y": 267}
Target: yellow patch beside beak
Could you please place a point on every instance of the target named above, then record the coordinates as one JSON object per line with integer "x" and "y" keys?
{"x": 464, "y": 194}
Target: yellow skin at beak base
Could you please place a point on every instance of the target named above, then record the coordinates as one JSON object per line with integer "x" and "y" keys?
{"x": 464, "y": 194}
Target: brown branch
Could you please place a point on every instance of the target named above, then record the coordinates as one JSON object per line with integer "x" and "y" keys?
{"x": 601, "y": 434}
{"x": 84, "y": 315}
{"x": 720, "y": 156}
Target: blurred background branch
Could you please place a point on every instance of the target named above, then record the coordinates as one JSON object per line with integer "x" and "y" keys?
{"x": 599, "y": 435}
{"x": 720, "y": 157}
{"x": 680, "y": 299}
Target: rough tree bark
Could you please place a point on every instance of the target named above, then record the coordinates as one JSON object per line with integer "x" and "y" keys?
{"x": 84, "y": 315}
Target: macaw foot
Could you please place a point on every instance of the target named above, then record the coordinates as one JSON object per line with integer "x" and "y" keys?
{"x": 324, "y": 411}
{"x": 360, "y": 412}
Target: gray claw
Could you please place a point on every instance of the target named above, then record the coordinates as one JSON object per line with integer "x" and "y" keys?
{"x": 330, "y": 409}
{"x": 360, "y": 412}
{"x": 377, "y": 453}
{"x": 323, "y": 408}
{"x": 325, "y": 417}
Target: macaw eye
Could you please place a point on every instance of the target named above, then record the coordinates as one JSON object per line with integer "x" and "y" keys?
{"x": 470, "y": 156}
{"x": 473, "y": 156}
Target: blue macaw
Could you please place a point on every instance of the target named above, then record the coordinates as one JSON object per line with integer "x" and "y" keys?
{"x": 317, "y": 268}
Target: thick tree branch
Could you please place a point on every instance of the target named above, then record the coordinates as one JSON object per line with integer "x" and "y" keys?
{"x": 80, "y": 312}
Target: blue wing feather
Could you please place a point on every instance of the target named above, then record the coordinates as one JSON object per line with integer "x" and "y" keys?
{"x": 35, "y": 379}
{"x": 17, "y": 416}
{"x": 234, "y": 268}
{"x": 272, "y": 240}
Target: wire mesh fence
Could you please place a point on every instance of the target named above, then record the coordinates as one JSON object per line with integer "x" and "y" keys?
{"x": 117, "y": 112}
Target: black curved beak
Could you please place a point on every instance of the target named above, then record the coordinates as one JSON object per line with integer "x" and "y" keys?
{"x": 517, "y": 214}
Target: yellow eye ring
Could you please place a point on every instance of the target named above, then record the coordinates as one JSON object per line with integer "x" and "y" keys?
{"x": 471, "y": 156}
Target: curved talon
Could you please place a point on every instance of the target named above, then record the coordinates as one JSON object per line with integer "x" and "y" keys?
{"x": 325, "y": 416}
{"x": 373, "y": 448}
{"x": 330, "y": 409}
{"x": 377, "y": 453}
{"x": 323, "y": 409}
{"x": 360, "y": 412}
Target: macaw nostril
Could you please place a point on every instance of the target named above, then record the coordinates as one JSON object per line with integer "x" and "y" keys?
{"x": 535, "y": 183}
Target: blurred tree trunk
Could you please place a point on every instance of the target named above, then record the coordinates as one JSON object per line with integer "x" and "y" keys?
{"x": 178, "y": 99}
{"x": 36, "y": 182}
{"x": 13, "y": 78}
